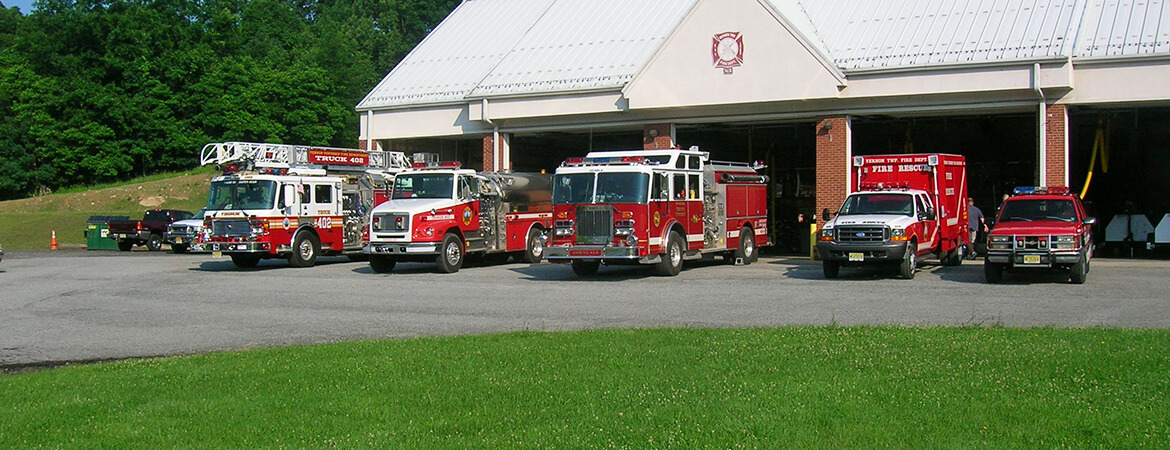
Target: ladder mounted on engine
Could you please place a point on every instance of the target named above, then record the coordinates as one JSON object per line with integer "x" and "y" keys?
{"x": 256, "y": 156}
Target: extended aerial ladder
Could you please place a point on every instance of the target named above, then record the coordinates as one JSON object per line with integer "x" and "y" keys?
{"x": 301, "y": 159}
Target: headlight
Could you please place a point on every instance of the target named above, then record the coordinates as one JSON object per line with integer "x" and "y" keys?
{"x": 898, "y": 234}
{"x": 1002, "y": 239}
{"x": 827, "y": 234}
{"x": 1064, "y": 242}
{"x": 563, "y": 228}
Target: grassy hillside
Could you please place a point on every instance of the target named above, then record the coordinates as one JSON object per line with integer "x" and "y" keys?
{"x": 28, "y": 223}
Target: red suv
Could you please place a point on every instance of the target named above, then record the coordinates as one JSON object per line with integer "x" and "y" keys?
{"x": 1040, "y": 228}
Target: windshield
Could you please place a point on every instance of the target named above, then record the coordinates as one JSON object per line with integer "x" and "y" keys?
{"x": 621, "y": 187}
{"x": 897, "y": 204}
{"x": 424, "y": 185}
{"x": 573, "y": 188}
{"x": 241, "y": 194}
{"x": 1029, "y": 210}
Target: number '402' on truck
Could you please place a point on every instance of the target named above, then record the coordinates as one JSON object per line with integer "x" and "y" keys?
{"x": 902, "y": 207}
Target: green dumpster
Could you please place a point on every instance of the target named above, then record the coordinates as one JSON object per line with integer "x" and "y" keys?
{"x": 96, "y": 231}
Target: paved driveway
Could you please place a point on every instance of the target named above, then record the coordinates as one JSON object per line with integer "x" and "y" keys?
{"x": 84, "y": 306}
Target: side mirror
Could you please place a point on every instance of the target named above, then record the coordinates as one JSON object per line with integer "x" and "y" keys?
{"x": 287, "y": 196}
{"x": 826, "y": 215}
{"x": 1090, "y": 221}
{"x": 930, "y": 214}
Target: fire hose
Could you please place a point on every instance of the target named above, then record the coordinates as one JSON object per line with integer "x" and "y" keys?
{"x": 1100, "y": 146}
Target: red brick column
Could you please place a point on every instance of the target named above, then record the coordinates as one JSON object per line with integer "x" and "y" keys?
{"x": 489, "y": 153}
{"x": 657, "y": 136}
{"x": 833, "y": 156}
{"x": 1056, "y": 146}
{"x": 362, "y": 144}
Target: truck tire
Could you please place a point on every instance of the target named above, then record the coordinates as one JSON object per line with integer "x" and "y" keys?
{"x": 245, "y": 260}
{"x": 747, "y": 246}
{"x": 154, "y": 243}
{"x": 534, "y": 250}
{"x": 450, "y": 258}
{"x": 953, "y": 257}
{"x": 305, "y": 248}
{"x": 1079, "y": 271}
{"x": 993, "y": 272}
{"x": 909, "y": 262}
{"x": 179, "y": 248}
{"x": 125, "y": 245}
{"x": 382, "y": 263}
{"x": 832, "y": 269}
{"x": 671, "y": 263}
{"x": 586, "y": 268}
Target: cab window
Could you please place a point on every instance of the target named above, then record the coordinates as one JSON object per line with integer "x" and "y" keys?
{"x": 680, "y": 187}
{"x": 661, "y": 188}
{"x": 323, "y": 193}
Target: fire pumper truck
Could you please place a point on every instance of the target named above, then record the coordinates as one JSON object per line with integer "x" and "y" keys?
{"x": 656, "y": 207}
{"x": 440, "y": 212}
{"x": 905, "y": 207}
{"x": 290, "y": 201}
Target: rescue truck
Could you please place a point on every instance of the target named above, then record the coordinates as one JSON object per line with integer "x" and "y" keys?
{"x": 904, "y": 207}
{"x": 1040, "y": 228}
{"x": 291, "y": 201}
{"x": 656, "y": 207}
{"x": 444, "y": 213}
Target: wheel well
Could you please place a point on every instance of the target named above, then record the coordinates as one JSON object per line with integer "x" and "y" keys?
{"x": 307, "y": 229}
{"x": 677, "y": 227}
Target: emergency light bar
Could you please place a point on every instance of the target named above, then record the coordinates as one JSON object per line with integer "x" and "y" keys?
{"x": 605, "y": 160}
{"x": 437, "y": 165}
{"x": 872, "y": 186}
{"x": 1042, "y": 190}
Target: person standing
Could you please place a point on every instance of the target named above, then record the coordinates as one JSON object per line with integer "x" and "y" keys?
{"x": 975, "y": 222}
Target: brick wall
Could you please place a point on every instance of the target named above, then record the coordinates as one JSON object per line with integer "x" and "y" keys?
{"x": 656, "y": 136}
{"x": 1056, "y": 145}
{"x": 489, "y": 154}
{"x": 832, "y": 163}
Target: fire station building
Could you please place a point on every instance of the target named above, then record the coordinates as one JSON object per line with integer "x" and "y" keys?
{"x": 1031, "y": 92}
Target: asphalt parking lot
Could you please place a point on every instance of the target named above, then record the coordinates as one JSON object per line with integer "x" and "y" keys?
{"x": 75, "y": 305}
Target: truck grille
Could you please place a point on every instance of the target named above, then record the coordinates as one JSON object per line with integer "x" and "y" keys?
{"x": 181, "y": 230}
{"x": 866, "y": 234}
{"x": 392, "y": 222}
{"x": 594, "y": 225}
{"x": 1031, "y": 243}
{"x": 231, "y": 228}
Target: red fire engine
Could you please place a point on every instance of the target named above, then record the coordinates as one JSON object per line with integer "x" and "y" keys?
{"x": 905, "y": 206}
{"x": 443, "y": 213}
{"x": 291, "y": 201}
{"x": 656, "y": 207}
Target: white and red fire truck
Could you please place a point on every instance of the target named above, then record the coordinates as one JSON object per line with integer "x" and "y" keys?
{"x": 291, "y": 201}
{"x": 903, "y": 207}
{"x": 440, "y": 212}
{"x": 656, "y": 207}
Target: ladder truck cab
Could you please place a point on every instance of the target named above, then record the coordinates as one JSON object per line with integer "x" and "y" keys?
{"x": 441, "y": 212}
{"x": 656, "y": 207}
{"x": 904, "y": 207}
{"x": 291, "y": 201}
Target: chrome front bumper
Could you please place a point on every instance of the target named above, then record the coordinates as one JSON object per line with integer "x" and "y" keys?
{"x": 404, "y": 248}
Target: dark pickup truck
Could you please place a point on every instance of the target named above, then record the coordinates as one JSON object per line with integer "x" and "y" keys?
{"x": 148, "y": 231}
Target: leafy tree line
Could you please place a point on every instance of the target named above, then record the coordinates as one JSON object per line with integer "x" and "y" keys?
{"x": 100, "y": 90}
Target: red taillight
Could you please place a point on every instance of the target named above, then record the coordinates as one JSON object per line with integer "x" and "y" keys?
{"x": 140, "y": 226}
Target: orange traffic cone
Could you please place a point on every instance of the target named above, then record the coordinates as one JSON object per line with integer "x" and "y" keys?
{"x": 53, "y": 241}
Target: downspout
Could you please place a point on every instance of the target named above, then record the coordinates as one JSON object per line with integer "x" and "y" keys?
{"x": 497, "y": 157}
{"x": 1042, "y": 123}
{"x": 370, "y": 130}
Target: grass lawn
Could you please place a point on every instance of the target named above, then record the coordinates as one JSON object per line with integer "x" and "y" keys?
{"x": 775, "y": 388}
{"x": 27, "y": 224}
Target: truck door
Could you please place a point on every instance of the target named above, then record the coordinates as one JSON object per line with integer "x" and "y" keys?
{"x": 928, "y": 216}
{"x": 659, "y": 210}
{"x": 468, "y": 215}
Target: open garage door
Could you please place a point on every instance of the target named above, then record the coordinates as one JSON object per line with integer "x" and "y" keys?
{"x": 1001, "y": 150}
{"x": 789, "y": 150}
{"x": 1131, "y": 171}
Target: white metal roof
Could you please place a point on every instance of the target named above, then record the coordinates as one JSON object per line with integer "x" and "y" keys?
{"x": 1125, "y": 27}
{"x": 491, "y": 48}
{"x": 869, "y": 34}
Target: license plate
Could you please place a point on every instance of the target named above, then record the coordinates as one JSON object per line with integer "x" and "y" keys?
{"x": 1031, "y": 259}
{"x": 857, "y": 256}
{"x": 217, "y": 254}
